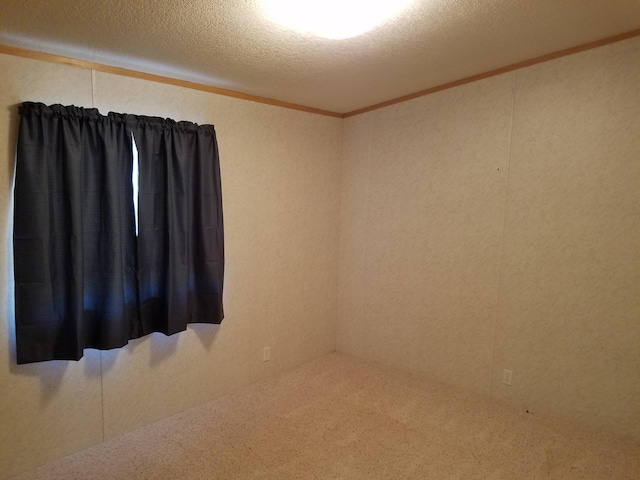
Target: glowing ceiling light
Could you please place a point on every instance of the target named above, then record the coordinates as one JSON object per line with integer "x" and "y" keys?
{"x": 335, "y": 19}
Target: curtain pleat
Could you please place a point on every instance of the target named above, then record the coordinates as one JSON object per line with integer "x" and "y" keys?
{"x": 83, "y": 278}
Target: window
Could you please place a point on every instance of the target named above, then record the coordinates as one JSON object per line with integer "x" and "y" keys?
{"x": 135, "y": 181}
{"x": 118, "y": 229}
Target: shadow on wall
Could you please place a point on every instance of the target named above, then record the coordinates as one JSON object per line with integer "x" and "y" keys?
{"x": 164, "y": 347}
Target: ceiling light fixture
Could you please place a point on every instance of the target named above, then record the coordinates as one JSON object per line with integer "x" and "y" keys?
{"x": 334, "y": 19}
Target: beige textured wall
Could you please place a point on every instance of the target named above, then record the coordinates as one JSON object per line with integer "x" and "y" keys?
{"x": 281, "y": 181}
{"x": 494, "y": 225}
{"x": 423, "y": 200}
{"x": 497, "y": 225}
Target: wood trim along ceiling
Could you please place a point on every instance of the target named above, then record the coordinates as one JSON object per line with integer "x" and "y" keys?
{"x": 499, "y": 71}
{"x": 47, "y": 57}
{"x": 19, "y": 52}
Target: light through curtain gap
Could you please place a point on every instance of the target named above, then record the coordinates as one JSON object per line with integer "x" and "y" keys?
{"x": 135, "y": 176}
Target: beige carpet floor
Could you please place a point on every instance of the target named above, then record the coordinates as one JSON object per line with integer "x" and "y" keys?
{"x": 342, "y": 418}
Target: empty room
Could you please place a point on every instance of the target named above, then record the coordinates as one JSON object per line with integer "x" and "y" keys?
{"x": 264, "y": 239}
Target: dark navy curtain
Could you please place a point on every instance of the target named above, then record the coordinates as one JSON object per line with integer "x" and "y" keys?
{"x": 84, "y": 277}
{"x": 180, "y": 242}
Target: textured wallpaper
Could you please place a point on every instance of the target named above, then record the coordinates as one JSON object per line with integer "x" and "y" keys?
{"x": 491, "y": 226}
{"x": 281, "y": 193}
{"x": 496, "y": 226}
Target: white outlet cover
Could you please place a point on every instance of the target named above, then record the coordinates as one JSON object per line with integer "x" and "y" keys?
{"x": 507, "y": 376}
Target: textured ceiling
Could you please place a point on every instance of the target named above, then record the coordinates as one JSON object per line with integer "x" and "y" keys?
{"x": 228, "y": 43}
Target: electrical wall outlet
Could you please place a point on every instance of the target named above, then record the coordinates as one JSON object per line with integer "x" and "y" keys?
{"x": 266, "y": 354}
{"x": 507, "y": 376}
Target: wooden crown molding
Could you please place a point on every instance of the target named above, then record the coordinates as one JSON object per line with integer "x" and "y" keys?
{"x": 47, "y": 57}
